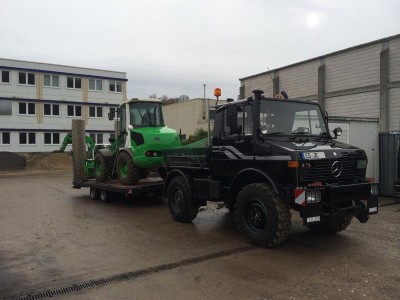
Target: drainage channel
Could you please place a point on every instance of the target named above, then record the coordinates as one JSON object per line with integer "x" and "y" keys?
{"x": 131, "y": 275}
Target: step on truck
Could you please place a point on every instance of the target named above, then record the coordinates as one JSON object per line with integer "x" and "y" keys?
{"x": 268, "y": 157}
{"x": 135, "y": 151}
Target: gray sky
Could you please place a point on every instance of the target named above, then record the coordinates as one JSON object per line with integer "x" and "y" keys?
{"x": 172, "y": 47}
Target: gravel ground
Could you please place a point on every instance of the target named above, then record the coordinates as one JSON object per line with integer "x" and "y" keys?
{"x": 53, "y": 236}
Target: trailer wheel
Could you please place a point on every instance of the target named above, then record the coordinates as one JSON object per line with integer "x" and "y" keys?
{"x": 261, "y": 216}
{"x": 126, "y": 169}
{"x": 333, "y": 227}
{"x": 105, "y": 196}
{"x": 181, "y": 204}
{"x": 101, "y": 171}
{"x": 94, "y": 194}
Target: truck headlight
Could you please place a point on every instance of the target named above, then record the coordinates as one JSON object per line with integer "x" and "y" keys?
{"x": 374, "y": 190}
{"x": 313, "y": 196}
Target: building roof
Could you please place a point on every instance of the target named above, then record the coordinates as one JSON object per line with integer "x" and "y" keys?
{"x": 324, "y": 56}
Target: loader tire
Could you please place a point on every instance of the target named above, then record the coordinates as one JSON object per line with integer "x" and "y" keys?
{"x": 126, "y": 170}
{"x": 102, "y": 172}
{"x": 261, "y": 216}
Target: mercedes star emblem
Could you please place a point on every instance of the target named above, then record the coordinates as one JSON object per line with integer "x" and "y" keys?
{"x": 336, "y": 169}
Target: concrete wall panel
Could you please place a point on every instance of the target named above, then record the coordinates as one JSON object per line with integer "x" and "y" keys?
{"x": 394, "y": 112}
{"x": 394, "y": 60}
{"x": 356, "y": 68}
{"x": 263, "y": 82}
{"x": 300, "y": 80}
{"x": 356, "y": 105}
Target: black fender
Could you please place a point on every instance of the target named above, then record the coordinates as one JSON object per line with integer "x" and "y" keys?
{"x": 248, "y": 176}
{"x": 172, "y": 174}
{"x": 108, "y": 156}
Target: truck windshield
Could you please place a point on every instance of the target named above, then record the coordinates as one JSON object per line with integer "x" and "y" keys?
{"x": 291, "y": 118}
{"x": 146, "y": 114}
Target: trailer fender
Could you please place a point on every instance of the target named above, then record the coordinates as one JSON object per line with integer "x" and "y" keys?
{"x": 248, "y": 176}
{"x": 171, "y": 175}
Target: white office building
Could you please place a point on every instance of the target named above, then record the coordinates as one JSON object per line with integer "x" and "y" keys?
{"x": 38, "y": 102}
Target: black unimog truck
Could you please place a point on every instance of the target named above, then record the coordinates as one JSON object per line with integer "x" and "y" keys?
{"x": 269, "y": 156}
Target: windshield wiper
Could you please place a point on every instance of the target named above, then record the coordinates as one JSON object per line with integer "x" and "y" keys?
{"x": 274, "y": 133}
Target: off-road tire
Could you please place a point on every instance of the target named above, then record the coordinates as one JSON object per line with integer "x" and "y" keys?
{"x": 127, "y": 172}
{"x": 143, "y": 173}
{"x": 102, "y": 172}
{"x": 334, "y": 227}
{"x": 261, "y": 216}
{"x": 181, "y": 204}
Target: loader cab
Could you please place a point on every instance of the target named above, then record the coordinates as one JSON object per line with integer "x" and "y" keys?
{"x": 141, "y": 113}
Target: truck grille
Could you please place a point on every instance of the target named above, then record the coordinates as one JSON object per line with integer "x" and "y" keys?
{"x": 321, "y": 171}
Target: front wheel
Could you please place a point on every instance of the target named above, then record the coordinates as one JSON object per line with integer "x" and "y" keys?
{"x": 126, "y": 169}
{"x": 181, "y": 204}
{"x": 261, "y": 216}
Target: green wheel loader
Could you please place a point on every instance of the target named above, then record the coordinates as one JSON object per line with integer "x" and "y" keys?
{"x": 140, "y": 138}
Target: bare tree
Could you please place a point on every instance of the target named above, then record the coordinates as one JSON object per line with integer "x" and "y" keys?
{"x": 153, "y": 96}
{"x": 164, "y": 98}
{"x": 183, "y": 97}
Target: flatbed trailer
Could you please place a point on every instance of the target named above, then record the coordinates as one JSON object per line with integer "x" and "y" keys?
{"x": 107, "y": 191}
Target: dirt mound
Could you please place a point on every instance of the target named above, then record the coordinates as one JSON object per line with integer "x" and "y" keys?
{"x": 50, "y": 161}
{"x": 11, "y": 161}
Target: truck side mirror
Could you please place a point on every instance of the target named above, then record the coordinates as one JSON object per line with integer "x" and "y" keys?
{"x": 325, "y": 116}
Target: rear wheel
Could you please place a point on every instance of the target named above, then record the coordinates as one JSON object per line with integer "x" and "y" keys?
{"x": 127, "y": 172}
{"x": 261, "y": 216}
{"x": 332, "y": 227}
{"x": 181, "y": 204}
{"x": 102, "y": 172}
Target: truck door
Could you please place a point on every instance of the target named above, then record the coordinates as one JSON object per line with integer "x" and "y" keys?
{"x": 234, "y": 148}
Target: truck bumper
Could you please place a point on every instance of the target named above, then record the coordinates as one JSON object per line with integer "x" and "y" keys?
{"x": 339, "y": 201}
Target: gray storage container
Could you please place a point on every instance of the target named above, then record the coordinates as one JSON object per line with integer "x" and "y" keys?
{"x": 389, "y": 163}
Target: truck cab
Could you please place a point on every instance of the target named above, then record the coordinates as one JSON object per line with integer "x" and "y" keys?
{"x": 269, "y": 156}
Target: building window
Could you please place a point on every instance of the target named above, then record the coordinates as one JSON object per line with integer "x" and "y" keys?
{"x": 116, "y": 86}
{"x": 5, "y": 76}
{"x": 26, "y": 78}
{"x": 27, "y": 108}
{"x": 74, "y": 111}
{"x": 5, "y": 138}
{"x": 51, "y": 109}
{"x": 26, "y": 138}
{"x": 74, "y": 83}
{"x": 95, "y": 111}
{"x": 95, "y": 85}
{"x": 51, "y": 138}
{"x": 97, "y": 138}
{"x": 51, "y": 81}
